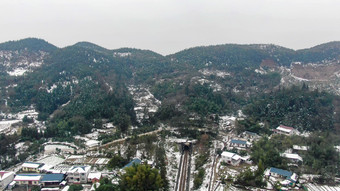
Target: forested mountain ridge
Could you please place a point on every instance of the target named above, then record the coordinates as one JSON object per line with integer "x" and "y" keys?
{"x": 75, "y": 87}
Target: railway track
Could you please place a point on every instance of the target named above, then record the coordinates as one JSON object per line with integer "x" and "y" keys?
{"x": 183, "y": 174}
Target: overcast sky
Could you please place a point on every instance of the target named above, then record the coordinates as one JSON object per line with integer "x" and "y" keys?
{"x": 168, "y": 26}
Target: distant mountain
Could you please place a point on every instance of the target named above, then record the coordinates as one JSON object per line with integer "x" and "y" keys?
{"x": 320, "y": 53}
{"x": 75, "y": 87}
{"x": 31, "y": 44}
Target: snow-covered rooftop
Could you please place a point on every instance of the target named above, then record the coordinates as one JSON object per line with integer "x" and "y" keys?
{"x": 79, "y": 169}
{"x": 24, "y": 177}
{"x": 95, "y": 175}
{"x": 292, "y": 156}
{"x": 31, "y": 165}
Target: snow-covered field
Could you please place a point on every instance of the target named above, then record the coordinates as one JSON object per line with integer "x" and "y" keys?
{"x": 51, "y": 160}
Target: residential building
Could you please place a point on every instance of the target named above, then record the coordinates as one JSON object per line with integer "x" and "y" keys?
{"x": 31, "y": 167}
{"x": 78, "y": 174}
{"x": 297, "y": 148}
{"x": 134, "y": 161}
{"x": 231, "y": 158}
{"x": 239, "y": 143}
{"x": 249, "y": 135}
{"x": 94, "y": 177}
{"x": 285, "y": 130}
{"x": 285, "y": 177}
{"x": 49, "y": 180}
{"x": 5, "y": 179}
{"x": 28, "y": 179}
{"x": 292, "y": 157}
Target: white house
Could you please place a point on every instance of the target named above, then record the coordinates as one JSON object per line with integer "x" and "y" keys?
{"x": 78, "y": 174}
{"x": 28, "y": 179}
{"x": 231, "y": 158}
{"x": 31, "y": 167}
{"x": 292, "y": 157}
{"x": 5, "y": 179}
{"x": 94, "y": 177}
{"x": 285, "y": 130}
{"x": 300, "y": 148}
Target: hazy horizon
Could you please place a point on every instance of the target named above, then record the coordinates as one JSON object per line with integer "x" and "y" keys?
{"x": 169, "y": 26}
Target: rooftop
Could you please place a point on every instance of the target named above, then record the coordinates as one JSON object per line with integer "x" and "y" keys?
{"x": 250, "y": 133}
{"x": 79, "y": 169}
{"x": 292, "y": 156}
{"x": 27, "y": 177}
{"x": 32, "y": 165}
{"x": 134, "y": 161}
{"x": 227, "y": 154}
{"x": 53, "y": 177}
{"x": 285, "y": 128}
{"x": 281, "y": 172}
{"x": 236, "y": 141}
{"x": 95, "y": 175}
{"x": 5, "y": 174}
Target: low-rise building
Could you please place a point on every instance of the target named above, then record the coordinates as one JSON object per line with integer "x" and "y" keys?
{"x": 51, "y": 180}
{"x": 285, "y": 130}
{"x": 292, "y": 157}
{"x": 286, "y": 178}
{"x": 94, "y": 177}
{"x": 28, "y": 179}
{"x": 31, "y": 167}
{"x": 249, "y": 135}
{"x": 78, "y": 174}
{"x": 239, "y": 144}
{"x": 297, "y": 148}
{"x": 231, "y": 158}
{"x": 5, "y": 179}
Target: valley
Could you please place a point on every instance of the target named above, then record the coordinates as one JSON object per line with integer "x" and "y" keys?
{"x": 224, "y": 117}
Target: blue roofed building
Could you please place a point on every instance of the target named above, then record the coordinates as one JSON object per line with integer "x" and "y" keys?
{"x": 52, "y": 179}
{"x": 134, "y": 161}
{"x": 286, "y": 178}
{"x": 239, "y": 144}
{"x": 279, "y": 172}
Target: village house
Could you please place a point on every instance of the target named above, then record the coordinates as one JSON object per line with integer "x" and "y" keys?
{"x": 239, "y": 144}
{"x": 249, "y": 136}
{"x": 31, "y": 167}
{"x": 297, "y": 148}
{"x": 286, "y": 178}
{"x": 292, "y": 157}
{"x": 285, "y": 130}
{"x": 52, "y": 180}
{"x": 5, "y": 179}
{"x": 28, "y": 179}
{"x": 78, "y": 174}
{"x": 231, "y": 158}
{"x": 94, "y": 177}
